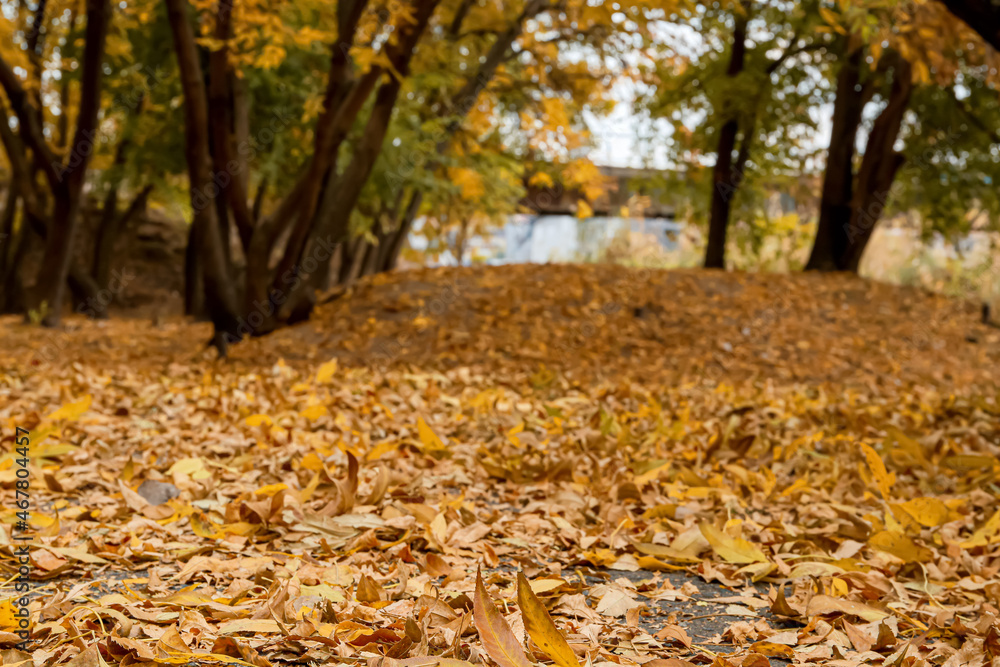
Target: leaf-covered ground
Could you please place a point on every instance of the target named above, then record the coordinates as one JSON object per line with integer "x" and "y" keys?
{"x": 824, "y": 447}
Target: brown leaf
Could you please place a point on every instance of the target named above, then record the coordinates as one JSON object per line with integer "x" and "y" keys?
{"x": 232, "y": 648}
{"x": 780, "y": 605}
{"x": 676, "y": 633}
{"x": 368, "y": 590}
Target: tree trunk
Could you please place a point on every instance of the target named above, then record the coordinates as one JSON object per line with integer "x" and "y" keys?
{"x": 878, "y": 168}
{"x": 68, "y": 185}
{"x": 838, "y": 179}
{"x": 15, "y": 298}
{"x": 343, "y": 100}
{"x": 850, "y": 206}
{"x": 460, "y": 240}
{"x": 723, "y": 176}
{"x": 10, "y": 242}
{"x": 194, "y": 277}
{"x": 110, "y": 230}
{"x": 398, "y": 238}
{"x": 7, "y": 225}
{"x": 220, "y": 296}
{"x": 330, "y": 225}
{"x": 222, "y": 119}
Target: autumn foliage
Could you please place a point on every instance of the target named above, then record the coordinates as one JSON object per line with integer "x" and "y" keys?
{"x": 469, "y": 499}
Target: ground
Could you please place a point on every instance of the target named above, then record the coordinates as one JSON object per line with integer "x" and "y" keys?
{"x": 689, "y": 466}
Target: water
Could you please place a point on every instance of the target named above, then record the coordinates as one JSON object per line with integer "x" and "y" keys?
{"x": 550, "y": 238}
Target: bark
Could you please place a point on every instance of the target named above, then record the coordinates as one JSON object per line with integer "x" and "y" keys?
{"x": 9, "y": 243}
{"x": 878, "y": 168}
{"x": 331, "y": 225}
{"x": 110, "y": 230}
{"x": 62, "y": 124}
{"x": 222, "y": 124}
{"x": 723, "y": 176}
{"x": 258, "y": 200}
{"x": 359, "y": 250}
{"x": 459, "y": 18}
{"x": 838, "y": 179}
{"x": 343, "y": 101}
{"x": 14, "y": 296}
{"x": 67, "y": 184}
{"x": 34, "y": 41}
{"x": 220, "y": 296}
{"x": 395, "y": 244}
{"x": 460, "y": 240}
{"x": 851, "y": 205}
{"x": 194, "y": 277}
{"x": 21, "y": 173}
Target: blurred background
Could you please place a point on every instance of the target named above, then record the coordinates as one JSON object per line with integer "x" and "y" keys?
{"x": 216, "y": 159}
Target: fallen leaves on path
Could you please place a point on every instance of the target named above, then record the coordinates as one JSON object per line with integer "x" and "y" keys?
{"x": 317, "y": 509}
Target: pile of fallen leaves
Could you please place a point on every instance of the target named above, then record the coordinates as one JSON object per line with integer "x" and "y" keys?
{"x": 330, "y": 493}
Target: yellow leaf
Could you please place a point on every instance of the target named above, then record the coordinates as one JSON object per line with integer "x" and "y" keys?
{"x": 270, "y": 489}
{"x": 663, "y": 551}
{"x": 656, "y": 565}
{"x": 900, "y": 546}
{"x": 650, "y": 475}
{"x": 883, "y": 479}
{"x": 828, "y": 16}
{"x": 249, "y": 625}
{"x": 498, "y": 640}
{"x": 985, "y": 534}
{"x": 71, "y": 411}
{"x": 326, "y": 372}
{"x": 540, "y": 178}
{"x": 8, "y": 619}
{"x": 731, "y": 549}
{"x": 313, "y": 412}
{"x": 546, "y": 585}
{"x": 820, "y": 605}
{"x": 469, "y": 182}
{"x": 257, "y": 420}
{"x": 186, "y": 466}
{"x": 540, "y": 627}
{"x": 202, "y": 527}
{"x": 600, "y": 557}
{"x": 928, "y": 512}
{"x": 429, "y": 439}
{"x": 381, "y": 449}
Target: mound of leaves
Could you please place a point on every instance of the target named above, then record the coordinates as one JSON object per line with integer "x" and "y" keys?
{"x": 336, "y": 507}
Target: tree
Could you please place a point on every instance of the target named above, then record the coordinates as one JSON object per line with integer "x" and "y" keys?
{"x": 210, "y": 143}
{"x": 743, "y": 93}
{"x": 64, "y": 177}
{"x": 880, "y": 65}
{"x": 853, "y": 201}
